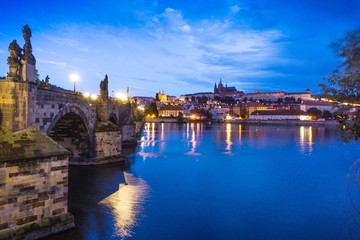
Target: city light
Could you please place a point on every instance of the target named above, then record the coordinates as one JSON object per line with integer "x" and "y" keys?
{"x": 86, "y": 95}
{"x": 94, "y": 96}
{"x": 141, "y": 108}
{"x": 121, "y": 96}
{"x": 74, "y": 77}
{"x": 228, "y": 117}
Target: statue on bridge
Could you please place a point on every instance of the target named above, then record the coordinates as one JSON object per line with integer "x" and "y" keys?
{"x": 14, "y": 60}
{"x": 22, "y": 66}
{"x": 104, "y": 88}
{"x": 27, "y": 47}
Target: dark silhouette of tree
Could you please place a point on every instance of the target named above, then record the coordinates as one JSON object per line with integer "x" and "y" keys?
{"x": 343, "y": 84}
{"x": 244, "y": 112}
{"x": 316, "y": 113}
{"x": 151, "y": 109}
{"x": 180, "y": 117}
{"x": 217, "y": 98}
{"x": 326, "y": 114}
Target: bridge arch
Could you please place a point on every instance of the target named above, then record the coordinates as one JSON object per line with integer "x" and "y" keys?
{"x": 71, "y": 129}
{"x": 113, "y": 118}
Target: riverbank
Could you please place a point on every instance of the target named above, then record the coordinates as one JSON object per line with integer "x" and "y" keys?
{"x": 285, "y": 122}
{"x": 254, "y": 122}
{"x": 164, "y": 120}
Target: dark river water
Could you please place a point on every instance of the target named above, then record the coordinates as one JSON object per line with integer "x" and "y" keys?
{"x": 222, "y": 181}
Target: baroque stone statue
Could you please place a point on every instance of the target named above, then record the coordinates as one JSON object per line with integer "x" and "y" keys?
{"x": 104, "y": 87}
{"x": 27, "y": 47}
{"x": 14, "y": 60}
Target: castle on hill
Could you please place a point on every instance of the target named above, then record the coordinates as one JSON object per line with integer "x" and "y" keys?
{"x": 222, "y": 91}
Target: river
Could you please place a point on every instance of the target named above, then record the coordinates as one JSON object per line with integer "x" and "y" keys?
{"x": 222, "y": 181}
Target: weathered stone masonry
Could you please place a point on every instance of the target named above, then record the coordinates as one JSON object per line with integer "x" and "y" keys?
{"x": 33, "y": 185}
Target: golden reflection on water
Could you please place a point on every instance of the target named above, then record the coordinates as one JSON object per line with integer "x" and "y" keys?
{"x": 149, "y": 137}
{"x": 240, "y": 133}
{"x": 306, "y": 139}
{"x": 153, "y": 134}
{"x": 228, "y": 138}
{"x": 127, "y": 203}
{"x": 162, "y": 132}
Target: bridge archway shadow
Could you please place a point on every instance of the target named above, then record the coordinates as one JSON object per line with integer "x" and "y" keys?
{"x": 113, "y": 119}
{"x": 71, "y": 132}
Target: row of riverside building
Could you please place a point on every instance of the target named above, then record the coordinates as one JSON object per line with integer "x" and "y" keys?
{"x": 254, "y": 106}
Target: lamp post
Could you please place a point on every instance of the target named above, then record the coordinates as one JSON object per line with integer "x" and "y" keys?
{"x": 74, "y": 77}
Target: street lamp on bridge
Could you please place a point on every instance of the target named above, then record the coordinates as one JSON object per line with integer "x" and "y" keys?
{"x": 74, "y": 77}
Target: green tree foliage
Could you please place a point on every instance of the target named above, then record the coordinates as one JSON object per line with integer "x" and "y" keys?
{"x": 314, "y": 112}
{"x": 203, "y": 112}
{"x": 180, "y": 117}
{"x": 244, "y": 112}
{"x": 217, "y": 98}
{"x": 151, "y": 109}
{"x": 343, "y": 84}
{"x": 228, "y": 99}
{"x": 327, "y": 114}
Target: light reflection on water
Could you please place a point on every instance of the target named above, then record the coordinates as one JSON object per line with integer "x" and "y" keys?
{"x": 305, "y": 141}
{"x": 126, "y": 204}
{"x": 220, "y": 181}
{"x": 193, "y": 134}
{"x": 228, "y": 139}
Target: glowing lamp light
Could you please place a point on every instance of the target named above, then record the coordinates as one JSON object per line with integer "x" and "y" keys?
{"x": 141, "y": 108}
{"x": 121, "y": 96}
{"x": 86, "y": 95}
{"x": 193, "y": 116}
{"x": 94, "y": 97}
{"x": 74, "y": 77}
{"x": 228, "y": 117}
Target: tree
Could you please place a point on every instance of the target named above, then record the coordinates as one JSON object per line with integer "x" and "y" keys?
{"x": 217, "y": 98}
{"x": 187, "y": 99}
{"x": 343, "y": 84}
{"x": 326, "y": 114}
{"x": 180, "y": 117}
{"x": 193, "y": 99}
{"x": 314, "y": 112}
{"x": 244, "y": 112}
{"x": 204, "y": 99}
{"x": 151, "y": 110}
{"x": 228, "y": 99}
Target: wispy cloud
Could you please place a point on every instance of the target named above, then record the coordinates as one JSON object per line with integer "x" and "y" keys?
{"x": 62, "y": 64}
{"x": 168, "y": 52}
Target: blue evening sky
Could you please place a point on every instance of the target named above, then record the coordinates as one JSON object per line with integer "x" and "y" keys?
{"x": 181, "y": 46}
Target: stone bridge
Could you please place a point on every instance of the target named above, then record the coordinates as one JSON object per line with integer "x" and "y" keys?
{"x": 92, "y": 129}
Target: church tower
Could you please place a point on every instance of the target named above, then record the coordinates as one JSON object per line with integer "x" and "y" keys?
{"x": 215, "y": 89}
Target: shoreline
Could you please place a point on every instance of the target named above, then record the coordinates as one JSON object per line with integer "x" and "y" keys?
{"x": 253, "y": 122}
